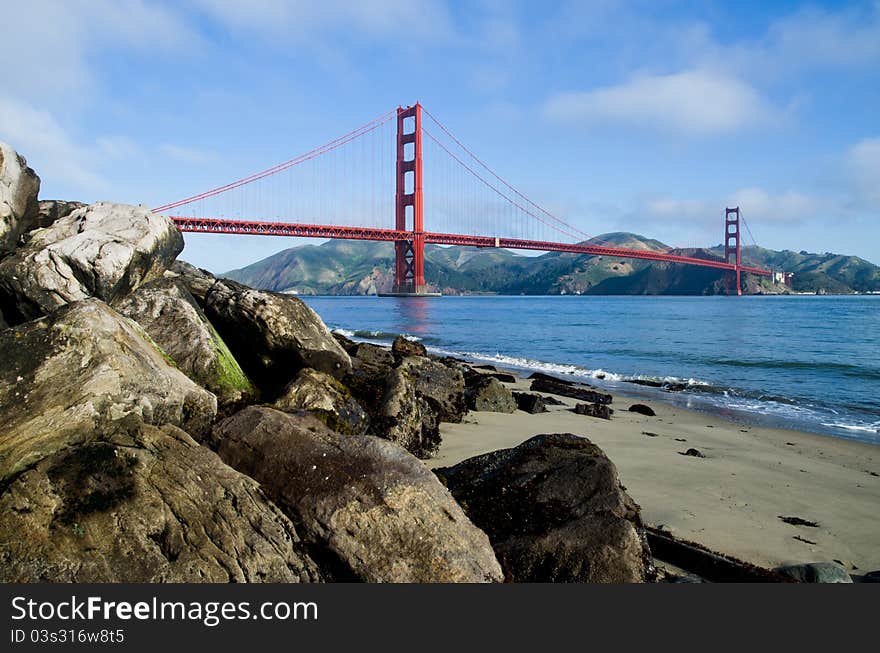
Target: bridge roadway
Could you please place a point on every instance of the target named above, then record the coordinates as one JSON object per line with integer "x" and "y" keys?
{"x": 245, "y": 227}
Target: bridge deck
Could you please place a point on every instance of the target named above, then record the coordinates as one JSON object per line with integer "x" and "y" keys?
{"x": 223, "y": 226}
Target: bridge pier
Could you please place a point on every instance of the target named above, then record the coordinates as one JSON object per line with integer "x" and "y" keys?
{"x": 733, "y": 249}
{"x": 409, "y": 255}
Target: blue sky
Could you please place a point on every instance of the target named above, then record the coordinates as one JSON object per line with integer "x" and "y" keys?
{"x": 639, "y": 116}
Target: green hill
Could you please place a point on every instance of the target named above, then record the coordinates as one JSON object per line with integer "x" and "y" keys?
{"x": 340, "y": 267}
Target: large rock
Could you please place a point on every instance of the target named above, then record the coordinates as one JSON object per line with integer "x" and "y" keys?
{"x": 406, "y": 418}
{"x": 103, "y": 250}
{"x": 403, "y": 347}
{"x": 602, "y": 411}
{"x": 50, "y": 211}
{"x": 67, "y": 375}
{"x": 567, "y": 389}
{"x": 196, "y": 280}
{"x": 19, "y": 186}
{"x": 327, "y": 399}
{"x": 530, "y": 403}
{"x": 272, "y": 335}
{"x": 143, "y": 504}
{"x": 372, "y": 358}
{"x": 554, "y": 511}
{"x": 489, "y": 394}
{"x": 374, "y": 509}
{"x": 169, "y": 314}
{"x": 438, "y": 384}
{"x": 817, "y": 572}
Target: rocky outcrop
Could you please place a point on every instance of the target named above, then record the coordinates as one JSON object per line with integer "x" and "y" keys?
{"x": 489, "y": 394}
{"x": 405, "y": 418}
{"x": 403, "y": 347}
{"x": 142, "y": 504}
{"x": 103, "y": 250}
{"x": 438, "y": 384}
{"x": 602, "y": 411}
{"x": 19, "y": 186}
{"x": 169, "y": 314}
{"x": 555, "y": 512}
{"x": 530, "y": 403}
{"x": 565, "y": 389}
{"x": 64, "y": 377}
{"x": 378, "y": 513}
{"x": 327, "y": 399}
{"x": 272, "y": 335}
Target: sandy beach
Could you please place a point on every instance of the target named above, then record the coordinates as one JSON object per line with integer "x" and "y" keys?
{"x": 731, "y": 500}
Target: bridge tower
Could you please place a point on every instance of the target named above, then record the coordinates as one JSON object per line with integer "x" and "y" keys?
{"x": 409, "y": 267}
{"x": 732, "y": 248}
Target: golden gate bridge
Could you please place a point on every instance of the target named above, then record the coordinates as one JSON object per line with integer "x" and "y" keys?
{"x": 397, "y": 165}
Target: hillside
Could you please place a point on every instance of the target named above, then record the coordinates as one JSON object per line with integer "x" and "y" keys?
{"x": 340, "y": 267}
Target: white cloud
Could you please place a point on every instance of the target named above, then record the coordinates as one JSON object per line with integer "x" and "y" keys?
{"x": 49, "y": 149}
{"x": 817, "y": 38}
{"x": 666, "y": 207}
{"x": 863, "y": 160}
{"x": 756, "y": 204}
{"x": 790, "y": 206}
{"x": 695, "y": 101}
{"x": 47, "y": 45}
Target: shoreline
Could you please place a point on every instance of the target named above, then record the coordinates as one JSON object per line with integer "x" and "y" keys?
{"x": 690, "y": 398}
{"x": 730, "y": 501}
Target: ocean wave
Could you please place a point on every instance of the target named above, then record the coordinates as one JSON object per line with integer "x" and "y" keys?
{"x": 862, "y": 428}
{"x": 376, "y": 335}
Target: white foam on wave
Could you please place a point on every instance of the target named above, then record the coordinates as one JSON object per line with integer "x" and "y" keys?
{"x": 343, "y": 332}
{"x": 862, "y": 428}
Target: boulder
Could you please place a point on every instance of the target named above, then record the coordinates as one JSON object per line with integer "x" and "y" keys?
{"x": 555, "y": 512}
{"x": 372, "y": 358}
{"x": 602, "y": 411}
{"x": 581, "y": 393}
{"x": 642, "y": 409}
{"x": 405, "y": 418}
{"x": 169, "y": 314}
{"x": 19, "y": 186}
{"x": 530, "y": 403}
{"x": 325, "y": 398}
{"x": 50, "y": 211}
{"x": 271, "y": 334}
{"x": 438, "y": 384}
{"x": 196, "y": 280}
{"x": 103, "y": 250}
{"x": 816, "y": 572}
{"x": 64, "y": 376}
{"x": 144, "y": 504}
{"x": 547, "y": 377}
{"x": 378, "y": 513}
{"x": 403, "y": 347}
{"x": 350, "y": 346}
{"x": 490, "y": 395}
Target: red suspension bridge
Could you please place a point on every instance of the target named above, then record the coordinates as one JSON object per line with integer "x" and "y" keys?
{"x": 350, "y": 187}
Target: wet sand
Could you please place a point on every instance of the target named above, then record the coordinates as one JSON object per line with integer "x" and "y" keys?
{"x": 732, "y": 499}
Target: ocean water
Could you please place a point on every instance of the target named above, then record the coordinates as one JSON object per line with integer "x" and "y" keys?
{"x": 802, "y": 362}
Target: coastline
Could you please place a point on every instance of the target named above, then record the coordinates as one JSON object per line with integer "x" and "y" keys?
{"x": 730, "y": 501}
